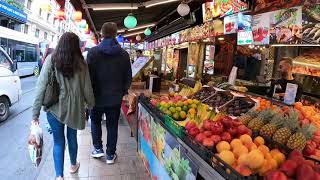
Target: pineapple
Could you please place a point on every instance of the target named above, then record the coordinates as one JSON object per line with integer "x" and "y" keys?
{"x": 290, "y": 123}
{"x": 264, "y": 117}
{"x": 244, "y": 119}
{"x": 269, "y": 129}
{"x": 299, "y": 140}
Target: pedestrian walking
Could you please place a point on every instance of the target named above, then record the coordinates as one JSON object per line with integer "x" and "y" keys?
{"x": 110, "y": 71}
{"x": 75, "y": 91}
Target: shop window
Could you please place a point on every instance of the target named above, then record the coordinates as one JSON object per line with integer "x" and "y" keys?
{"x": 29, "y": 4}
{"x": 4, "y": 62}
{"x": 26, "y": 29}
{"x": 37, "y": 33}
{"x": 45, "y": 35}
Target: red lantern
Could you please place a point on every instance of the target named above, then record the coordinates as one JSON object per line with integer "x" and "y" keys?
{"x": 77, "y": 16}
{"x": 60, "y": 15}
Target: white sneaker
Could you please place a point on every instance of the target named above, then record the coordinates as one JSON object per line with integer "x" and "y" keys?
{"x": 111, "y": 159}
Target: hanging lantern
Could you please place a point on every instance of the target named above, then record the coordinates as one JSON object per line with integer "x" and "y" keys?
{"x": 60, "y": 15}
{"x": 147, "y": 32}
{"x": 183, "y": 9}
{"x": 130, "y": 21}
{"x": 83, "y": 24}
{"x": 77, "y": 16}
{"x": 138, "y": 37}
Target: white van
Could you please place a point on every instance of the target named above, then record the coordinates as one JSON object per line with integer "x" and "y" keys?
{"x": 10, "y": 85}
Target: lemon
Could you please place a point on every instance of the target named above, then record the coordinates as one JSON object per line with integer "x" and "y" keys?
{"x": 176, "y": 116}
{"x": 172, "y": 109}
{"x": 178, "y": 109}
{"x": 180, "y": 104}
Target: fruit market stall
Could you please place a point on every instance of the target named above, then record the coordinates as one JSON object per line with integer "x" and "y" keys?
{"x": 216, "y": 134}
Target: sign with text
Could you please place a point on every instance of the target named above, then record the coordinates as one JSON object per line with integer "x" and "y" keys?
{"x": 12, "y": 12}
{"x": 138, "y": 65}
{"x": 245, "y": 38}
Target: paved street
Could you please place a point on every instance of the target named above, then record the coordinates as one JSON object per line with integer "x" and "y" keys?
{"x": 15, "y": 162}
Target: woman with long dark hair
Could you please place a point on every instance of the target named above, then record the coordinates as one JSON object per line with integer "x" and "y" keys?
{"x": 72, "y": 75}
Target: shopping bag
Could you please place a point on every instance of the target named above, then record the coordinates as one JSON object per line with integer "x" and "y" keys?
{"x": 35, "y": 143}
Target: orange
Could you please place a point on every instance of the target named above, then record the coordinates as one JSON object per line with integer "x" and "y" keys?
{"x": 236, "y": 143}
{"x": 240, "y": 150}
{"x": 246, "y": 139}
{"x": 227, "y": 156}
{"x": 259, "y": 141}
{"x": 264, "y": 149}
{"x": 242, "y": 159}
{"x": 223, "y": 146}
{"x": 279, "y": 157}
{"x": 251, "y": 146}
{"x": 255, "y": 159}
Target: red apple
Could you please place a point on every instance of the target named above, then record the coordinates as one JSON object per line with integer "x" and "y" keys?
{"x": 289, "y": 167}
{"x": 225, "y": 136}
{"x": 200, "y": 137}
{"x": 276, "y": 175}
{"x": 208, "y": 142}
{"x": 233, "y": 131}
{"x": 194, "y": 131}
{"x": 206, "y": 124}
{"x": 208, "y": 133}
{"x": 216, "y": 138}
{"x": 242, "y": 129}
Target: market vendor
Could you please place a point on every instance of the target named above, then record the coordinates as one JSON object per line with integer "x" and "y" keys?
{"x": 285, "y": 68}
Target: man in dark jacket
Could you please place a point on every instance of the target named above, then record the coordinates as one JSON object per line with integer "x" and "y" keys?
{"x": 110, "y": 71}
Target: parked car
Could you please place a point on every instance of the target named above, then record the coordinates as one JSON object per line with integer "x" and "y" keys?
{"x": 10, "y": 85}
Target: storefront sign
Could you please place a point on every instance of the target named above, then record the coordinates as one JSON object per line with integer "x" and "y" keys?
{"x": 12, "y": 12}
{"x": 231, "y": 24}
{"x": 260, "y": 29}
{"x": 245, "y": 38}
{"x": 286, "y": 26}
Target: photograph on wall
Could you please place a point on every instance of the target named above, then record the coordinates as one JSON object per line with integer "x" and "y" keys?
{"x": 231, "y": 24}
{"x": 262, "y": 6}
{"x": 260, "y": 28}
{"x": 311, "y": 24}
{"x": 229, "y": 7}
{"x": 286, "y": 26}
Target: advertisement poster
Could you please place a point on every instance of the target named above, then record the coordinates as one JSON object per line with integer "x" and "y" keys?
{"x": 231, "y": 24}
{"x": 138, "y": 65}
{"x": 209, "y": 60}
{"x": 286, "y": 26}
{"x": 262, "y": 6}
{"x": 216, "y": 28}
{"x": 244, "y": 22}
{"x": 219, "y": 8}
{"x": 311, "y": 24}
{"x": 245, "y": 38}
{"x": 161, "y": 153}
{"x": 260, "y": 29}
{"x": 229, "y": 7}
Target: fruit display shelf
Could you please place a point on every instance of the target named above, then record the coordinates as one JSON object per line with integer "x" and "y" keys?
{"x": 238, "y": 106}
{"x": 204, "y": 93}
{"x": 219, "y": 99}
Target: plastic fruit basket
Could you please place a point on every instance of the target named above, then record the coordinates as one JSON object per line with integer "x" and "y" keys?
{"x": 174, "y": 127}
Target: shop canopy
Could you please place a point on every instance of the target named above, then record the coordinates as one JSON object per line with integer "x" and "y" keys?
{"x": 149, "y": 13}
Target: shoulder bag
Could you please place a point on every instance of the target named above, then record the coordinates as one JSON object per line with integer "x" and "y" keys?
{"x": 52, "y": 91}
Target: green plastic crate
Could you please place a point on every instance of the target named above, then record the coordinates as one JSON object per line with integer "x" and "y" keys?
{"x": 174, "y": 127}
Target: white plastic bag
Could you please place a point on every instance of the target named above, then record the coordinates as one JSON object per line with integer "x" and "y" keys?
{"x": 35, "y": 143}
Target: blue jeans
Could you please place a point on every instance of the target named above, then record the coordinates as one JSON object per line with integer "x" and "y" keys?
{"x": 59, "y": 144}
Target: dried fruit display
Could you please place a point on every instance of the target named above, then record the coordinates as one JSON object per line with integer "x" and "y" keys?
{"x": 238, "y": 106}
{"x": 204, "y": 93}
{"x": 219, "y": 99}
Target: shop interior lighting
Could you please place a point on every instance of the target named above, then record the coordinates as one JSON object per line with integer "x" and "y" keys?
{"x": 220, "y": 38}
{"x": 157, "y": 2}
{"x": 137, "y": 28}
{"x": 134, "y": 33}
{"x": 279, "y": 45}
{"x": 113, "y": 6}
{"x": 306, "y": 64}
